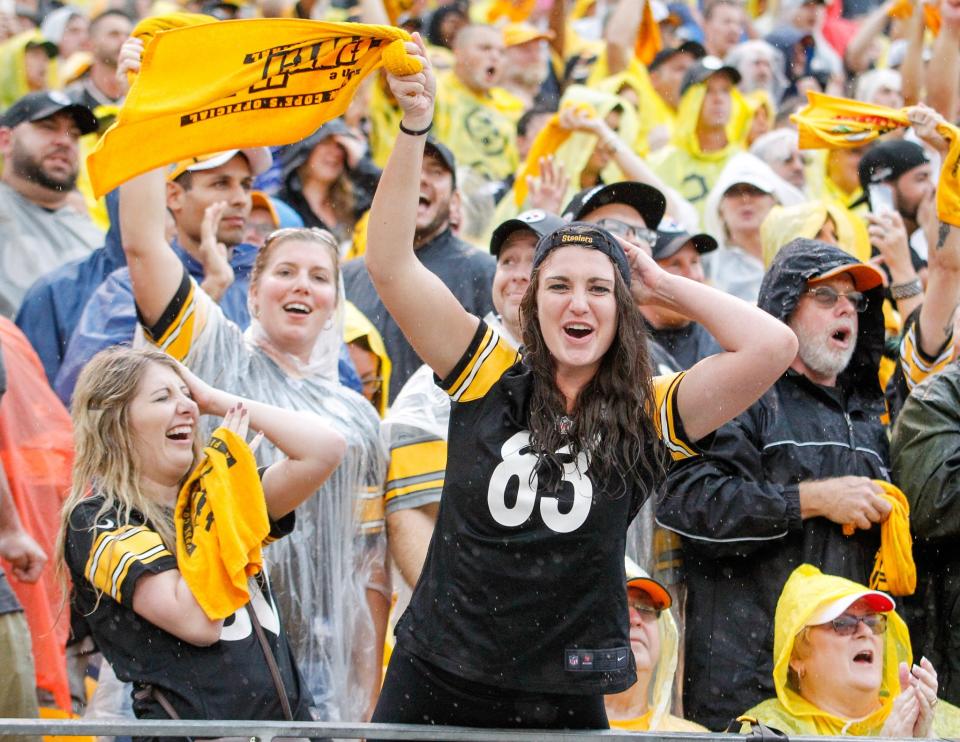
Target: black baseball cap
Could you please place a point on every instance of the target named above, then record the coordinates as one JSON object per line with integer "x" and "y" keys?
{"x": 43, "y": 105}
{"x": 584, "y": 234}
{"x": 887, "y": 161}
{"x": 693, "y": 48}
{"x": 705, "y": 68}
{"x": 538, "y": 221}
{"x": 669, "y": 243}
{"x": 437, "y": 149}
{"x": 646, "y": 200}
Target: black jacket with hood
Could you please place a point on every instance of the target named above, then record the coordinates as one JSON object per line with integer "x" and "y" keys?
{"x": 738, "y": 508}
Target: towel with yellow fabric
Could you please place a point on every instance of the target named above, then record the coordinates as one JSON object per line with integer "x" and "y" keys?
{"x": 221, "y": 522}
{"x": 648, "y": 42}
{"x": 836, "y": 123}
{"x": 893, "y": 570}
{"x": 208, "y": 86}
{"x": 903, "y": 9}
{"x": 514, "y": 10}
{"x": 547, "y": 141}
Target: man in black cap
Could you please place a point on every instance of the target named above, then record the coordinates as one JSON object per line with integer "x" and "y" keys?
{"x": 39, "y": 142}
{"x": 679, "y": 252}
{"x": 466, "y": 271}
{"x": 669, "y": 67}
{"x": 906, "y": 169}
{"x": 416, "y": 426}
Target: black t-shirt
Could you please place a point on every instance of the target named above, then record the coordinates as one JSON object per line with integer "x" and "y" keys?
{"x": 524, "y": 588}
{"x": 227, "y": 680}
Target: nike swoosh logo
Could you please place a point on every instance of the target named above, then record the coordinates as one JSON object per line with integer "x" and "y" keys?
{"x": 621, "y": 658}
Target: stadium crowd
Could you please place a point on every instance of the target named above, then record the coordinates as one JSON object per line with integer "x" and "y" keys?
{"x": 586, "y": 362}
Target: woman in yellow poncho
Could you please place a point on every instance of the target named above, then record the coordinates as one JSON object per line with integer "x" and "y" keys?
{"x": 27, "y": 64}
{"x": 843, "y": 666}
{"x": 654, "y": 640}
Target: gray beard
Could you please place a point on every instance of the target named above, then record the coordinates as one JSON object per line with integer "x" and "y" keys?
{"x": 822, "y": 360}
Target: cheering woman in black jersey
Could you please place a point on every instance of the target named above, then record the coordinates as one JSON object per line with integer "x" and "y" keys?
{"x": 519, "y": 618}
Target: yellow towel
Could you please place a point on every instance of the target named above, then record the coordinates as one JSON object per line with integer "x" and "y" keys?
{"x": 549, "y": 138}
{"x": 894, "y": 570}
{"x": 209, "y": 87}
{"x": 221, "y": 522}
{"x": 514, "y": 10}
{"x": 835, "y": 123}
{"x": 648, "y": 41}
{"x": 931, "y": 14}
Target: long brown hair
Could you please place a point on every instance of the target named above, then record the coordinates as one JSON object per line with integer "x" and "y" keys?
{"x": 106, "y": 460}
{"x": 613, "y": 417}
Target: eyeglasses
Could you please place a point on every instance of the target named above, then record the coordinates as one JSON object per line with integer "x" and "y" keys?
{"x": 647, "y": 612}
{"x": 628, "y": 232}
{"x": 827, "y": 297}
{"x": 846, "y": 624}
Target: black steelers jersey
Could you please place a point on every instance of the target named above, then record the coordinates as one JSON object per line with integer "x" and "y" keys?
{"x": 227, "y": 680}
{"x": 523, "y": 588}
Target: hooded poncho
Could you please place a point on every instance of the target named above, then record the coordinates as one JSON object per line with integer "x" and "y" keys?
{"x": 804, "y": 594}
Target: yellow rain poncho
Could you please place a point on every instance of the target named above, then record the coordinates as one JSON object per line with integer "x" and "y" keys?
{"x": 652, "y": 110}
{"x": 785, "y": 223}
{"x": 13, "y": 69}
{"x": 683, "y": 165}
{"x": 356, "y": 326}
{"x": 805, "y": 593}
{"x": 658, "y": 716}
{"x": 573, "y": 151}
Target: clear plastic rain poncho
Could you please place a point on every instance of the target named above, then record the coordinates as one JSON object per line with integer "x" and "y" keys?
{"x": 321, "y": 572}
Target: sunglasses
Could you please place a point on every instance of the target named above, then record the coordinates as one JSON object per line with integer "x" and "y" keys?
{"x": 846, "y": 624}
{"x": 827, "y": 297}
{"x": 627, "y": 231}
{"x": 646, "y": 611}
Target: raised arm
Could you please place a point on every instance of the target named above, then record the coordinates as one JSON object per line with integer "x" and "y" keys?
{"x": 431, "y": 318}
{"x": 620, "y": 34}
{"x": 155, "y": 271}
{"x": 943, "y": 252}
{"x": 313, "y": 449}
{"x": 759, "y": 348}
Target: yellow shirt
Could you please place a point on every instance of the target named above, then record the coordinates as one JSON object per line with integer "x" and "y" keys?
{"x": 479, "y": 134}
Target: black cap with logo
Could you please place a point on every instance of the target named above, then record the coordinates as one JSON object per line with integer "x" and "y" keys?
{"x": 584, "y": 234}
{"x": 538, "y": 221}
{"x": 43, "y": 105}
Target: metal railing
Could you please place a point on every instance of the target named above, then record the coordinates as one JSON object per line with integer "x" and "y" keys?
{"x": 265, "y": 731}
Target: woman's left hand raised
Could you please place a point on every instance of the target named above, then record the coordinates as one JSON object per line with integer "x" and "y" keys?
{"x": 415, "y": 93}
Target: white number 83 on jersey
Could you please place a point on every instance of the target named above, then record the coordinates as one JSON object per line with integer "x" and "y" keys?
{"x": 519, "y": 462}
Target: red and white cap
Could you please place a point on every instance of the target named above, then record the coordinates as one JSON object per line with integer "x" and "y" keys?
{"x": 877, "y": 601}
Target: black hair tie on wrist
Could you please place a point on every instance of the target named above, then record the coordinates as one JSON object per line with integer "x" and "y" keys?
{"x": 416, "y": 132}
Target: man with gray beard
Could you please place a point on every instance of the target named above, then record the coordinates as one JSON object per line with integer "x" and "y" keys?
{"x": 777, "y": 485}
{"x": 39, "y": 229}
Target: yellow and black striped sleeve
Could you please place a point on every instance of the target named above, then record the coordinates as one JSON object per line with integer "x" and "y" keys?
{"x": 667, "y": 418}
{"x": 418, "y": 463}
{"x": 485, "y": 360}
{"x": 916, "y": 364}
{"x": 120, "y": 556}
{"x": 180, "y": 322}
{"x": 370, "y": 518}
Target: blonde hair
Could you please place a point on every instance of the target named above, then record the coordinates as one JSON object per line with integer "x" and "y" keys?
{"x": 106, "y": 460}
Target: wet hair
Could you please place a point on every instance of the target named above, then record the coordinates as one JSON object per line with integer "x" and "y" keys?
{"x": 279, "y": 237}
{"x": 613, "y": 414}
{"x": 105, "y": 460}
